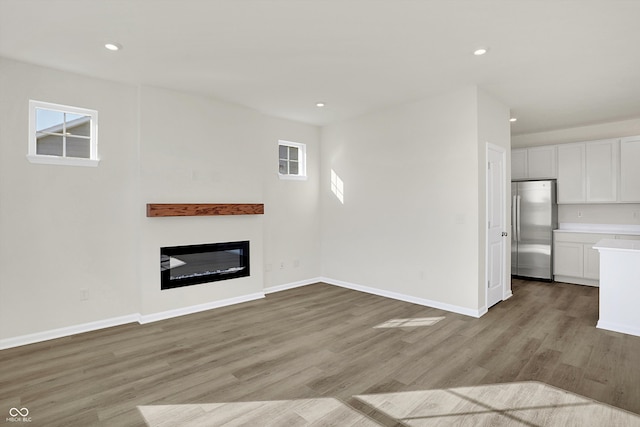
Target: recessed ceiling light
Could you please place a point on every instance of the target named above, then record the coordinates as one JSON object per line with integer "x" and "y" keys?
{"x": 480, "y": 51}
{"x": 113, "y": 46}
{"x": 320, "y": 104}
{"x": 513, "y": 119}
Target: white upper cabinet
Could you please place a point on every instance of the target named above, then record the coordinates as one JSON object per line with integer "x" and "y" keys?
{"x": 630, "y": 169}
{"x": 541, "y": 162}
{"x": 588, "y": 172}
{"x": 602, "y": 171}
{"x": 534, "y": 163}
{"x": 519, "y": 163}
{"x": 571, "y": 173}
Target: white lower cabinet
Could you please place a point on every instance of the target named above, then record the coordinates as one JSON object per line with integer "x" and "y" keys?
{"x": 575, "y": 260}
{"x": 568, "y": 259}
{"x": 591, "y": 262}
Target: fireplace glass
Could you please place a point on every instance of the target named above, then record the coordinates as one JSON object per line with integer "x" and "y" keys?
{"x": 195, "y": 264}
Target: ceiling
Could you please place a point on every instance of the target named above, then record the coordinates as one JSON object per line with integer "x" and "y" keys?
{"x": 556, "y": 64}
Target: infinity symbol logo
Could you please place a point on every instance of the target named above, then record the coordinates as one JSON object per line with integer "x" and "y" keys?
{"x": 14, "y": 412}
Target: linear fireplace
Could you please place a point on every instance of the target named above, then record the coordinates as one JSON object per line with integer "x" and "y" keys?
{"x": 195, "y": 264}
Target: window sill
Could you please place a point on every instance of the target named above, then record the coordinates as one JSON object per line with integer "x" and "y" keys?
{"x": 63, "y": 161}
{"x": 292, "y": 177}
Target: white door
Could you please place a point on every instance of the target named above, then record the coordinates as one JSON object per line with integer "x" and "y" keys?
{"x": 496, "y": 230}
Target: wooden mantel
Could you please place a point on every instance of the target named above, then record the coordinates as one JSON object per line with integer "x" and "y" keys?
{"x": 203, "y": 209}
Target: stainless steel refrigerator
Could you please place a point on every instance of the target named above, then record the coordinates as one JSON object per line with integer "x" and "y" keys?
{"x": 534, "y": 216}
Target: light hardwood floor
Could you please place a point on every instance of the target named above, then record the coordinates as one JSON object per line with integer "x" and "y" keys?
{"x": 318, "y": 344}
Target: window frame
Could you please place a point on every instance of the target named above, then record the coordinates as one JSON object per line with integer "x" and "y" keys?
{"x": 47, "y": 159}
{"x": 302, "y": 160}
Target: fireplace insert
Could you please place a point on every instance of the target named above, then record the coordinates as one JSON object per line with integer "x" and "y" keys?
{"x": 195, "y": 264}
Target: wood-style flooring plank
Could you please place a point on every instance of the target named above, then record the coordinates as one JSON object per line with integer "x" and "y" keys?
{"x": 300, "y": 356}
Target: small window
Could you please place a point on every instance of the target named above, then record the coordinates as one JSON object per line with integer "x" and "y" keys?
{"x": 292, "y": 158}
{"x": 62, "y": 135}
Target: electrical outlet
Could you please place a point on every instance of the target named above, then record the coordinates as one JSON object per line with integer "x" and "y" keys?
{"x": 84, "y": 294}
{"x": 281, "y": 265}
{"x": 579, "y": 214}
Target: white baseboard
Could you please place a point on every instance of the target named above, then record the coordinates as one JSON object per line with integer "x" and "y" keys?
{"x": 67, "y": 331}
{"x": 576, "y": 280}
{"x": 617, "y": 327}
{"x": 278, "y": 288}
{"x": 402, "y": 297}
{"x": 148, "y": 318}
{"x": 116, "y": 321}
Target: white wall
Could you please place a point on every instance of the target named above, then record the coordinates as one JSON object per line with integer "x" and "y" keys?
{"x": 292, "y": 213}
{"x": 63, "y": 229}
{"x": 410, "y": 224}
{"x": 196, "y": 149}
{"x": 493, "y": 128}
{"x": 413, "y": 198}
{"x": 620, "y": 213}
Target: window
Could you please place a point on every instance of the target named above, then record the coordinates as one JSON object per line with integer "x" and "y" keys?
{"x": 292, "y": 158}
{"x": 62, "y": 135}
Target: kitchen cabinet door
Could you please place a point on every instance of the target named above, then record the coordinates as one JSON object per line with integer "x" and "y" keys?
{"x": 591, "y": 262}
{"x": 568, "y": 259}
{"x": 541, "y": 162}
{"x": 519, "y": 164}
{"x": 575, "y": 260}
{"x": 571, "y": 173}
{"x": 630, "y": 169}
{"x": 601, "y": 171}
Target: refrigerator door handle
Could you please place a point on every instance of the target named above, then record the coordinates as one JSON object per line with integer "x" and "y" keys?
{"x": 514, "y": 216}
{"x": 518, "y": 217}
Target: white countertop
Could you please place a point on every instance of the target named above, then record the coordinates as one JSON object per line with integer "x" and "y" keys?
{"x": 618, "y": 245}
{"x": 630, "y": 229}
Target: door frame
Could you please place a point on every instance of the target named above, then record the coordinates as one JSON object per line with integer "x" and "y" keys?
{"x": 506, "y": 293}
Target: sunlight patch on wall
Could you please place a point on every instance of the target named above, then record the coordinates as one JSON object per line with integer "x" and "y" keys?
{"x": 408, "y": 323}
{"x": 337, "y": 186}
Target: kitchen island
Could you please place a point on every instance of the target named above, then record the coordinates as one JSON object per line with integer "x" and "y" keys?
{"x": 619, "y": 285}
